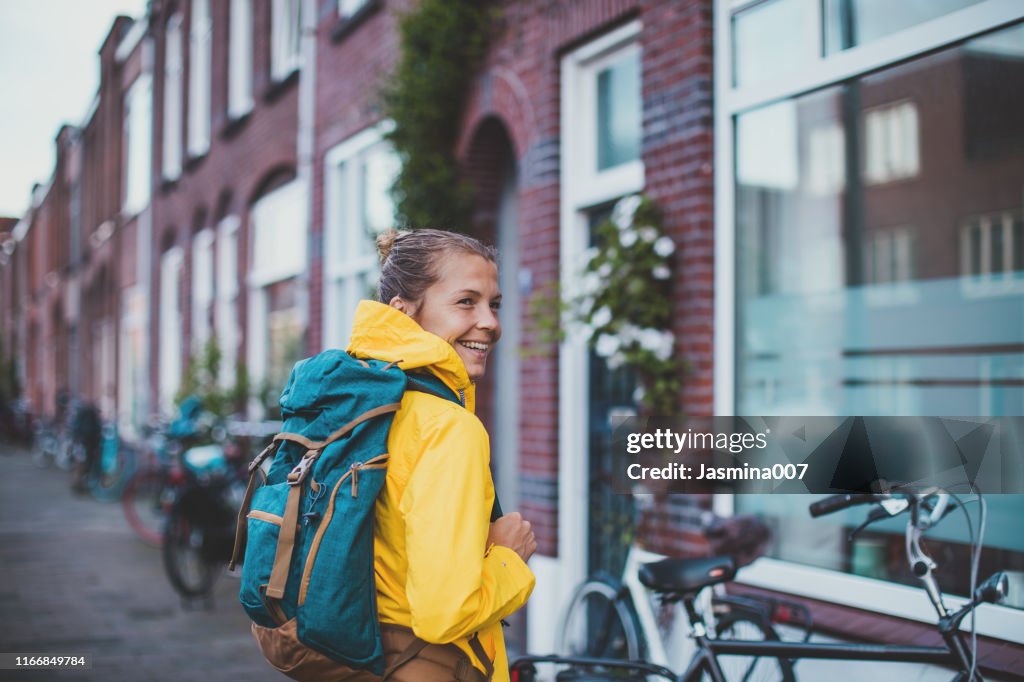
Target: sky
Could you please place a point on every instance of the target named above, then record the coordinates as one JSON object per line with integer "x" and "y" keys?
{"x": 49, "y": 73}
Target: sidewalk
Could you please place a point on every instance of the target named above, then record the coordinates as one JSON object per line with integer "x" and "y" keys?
{"x": 76, "y": 580}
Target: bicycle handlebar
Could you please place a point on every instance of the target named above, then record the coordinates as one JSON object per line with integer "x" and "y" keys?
{"x": 836, "y": 503}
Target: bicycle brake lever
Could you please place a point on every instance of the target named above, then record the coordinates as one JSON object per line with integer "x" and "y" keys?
{"x": 876, "y": 514}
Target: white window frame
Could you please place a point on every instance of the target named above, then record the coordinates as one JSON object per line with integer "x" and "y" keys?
{"x": 202, "y": 287}
{"x": 132, "y": 330}
{"x": 200, "y": 41}
{"x": 260, "y": 277}
{"x": 342, "y": 203}
{"x": 993, "y": 278}
{"x": 825, "y": 166}
{"x": 226, "y": 303}
{"x": 832, "y": 586}
{"x": 240, "y": 100}
{"x": 138, "y": 147}
{"x": 884, "y": 161}
{"x": 582, "y": 188}
{"x": 171, "y": 266}
{"x": 174, "y": 74}
{"x": 285, "y": 38}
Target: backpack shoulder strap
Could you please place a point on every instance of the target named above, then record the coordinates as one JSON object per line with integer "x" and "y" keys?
{"x": 428, "y": 383}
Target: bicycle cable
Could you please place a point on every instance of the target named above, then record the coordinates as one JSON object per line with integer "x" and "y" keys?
{"x": 975, "y": 560}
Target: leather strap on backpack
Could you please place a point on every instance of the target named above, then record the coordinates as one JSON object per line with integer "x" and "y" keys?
{"x": 447, "y": 656}
{"x": 241, "y": 526}
{"x": 481, "y": 655}
{"x": 415, "y": 647}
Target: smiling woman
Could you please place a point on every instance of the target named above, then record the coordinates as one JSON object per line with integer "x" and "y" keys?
{"x": 453, "y": 293}
{"x": 449, "y": 565}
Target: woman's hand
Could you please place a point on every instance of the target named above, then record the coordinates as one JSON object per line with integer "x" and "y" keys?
{"x": 514, "y": 532}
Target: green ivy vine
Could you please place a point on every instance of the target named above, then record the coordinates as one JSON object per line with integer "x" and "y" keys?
{"x": 442, "y": 43}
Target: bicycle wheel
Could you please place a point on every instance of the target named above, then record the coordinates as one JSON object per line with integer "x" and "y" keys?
{"x": 185, "y": 561}
{"x": 600, "y": 623}
{"x": 143, "y": 502}
{"x": 750, "y": 627}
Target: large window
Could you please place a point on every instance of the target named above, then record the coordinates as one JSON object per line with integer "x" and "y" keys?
{"x": 138, "y": 116}
{"x": 202, "y": 288}
{"x": 286, "y": 34}
{"x": 170, "y": 327}
{"x": 276, "y": 328}
{"x": 240, "y": 59}
{"x": 131, "y": 352}
{"x": 200, "y": 46}
{"x": 173, "y": 79}
{"x": 358, "y": 177}
{"x": 868, "y": 227}
{"x": 850, "y": 23}
{"x": 226, "y": 308}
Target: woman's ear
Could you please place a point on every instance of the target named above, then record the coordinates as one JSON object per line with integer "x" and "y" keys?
{"x": 398, "y": 304}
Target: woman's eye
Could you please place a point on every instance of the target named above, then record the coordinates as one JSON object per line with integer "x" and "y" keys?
{"x": 466, "y": 301}
{"x": 496, "y": 305}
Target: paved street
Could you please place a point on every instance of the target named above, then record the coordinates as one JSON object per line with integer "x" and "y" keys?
{"x": 76, "y": 580}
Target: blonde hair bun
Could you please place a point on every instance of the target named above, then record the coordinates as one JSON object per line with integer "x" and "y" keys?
{"x": 386, "y": 242}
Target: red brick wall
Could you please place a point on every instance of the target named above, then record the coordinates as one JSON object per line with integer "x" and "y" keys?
{"x": 243, "y": 156}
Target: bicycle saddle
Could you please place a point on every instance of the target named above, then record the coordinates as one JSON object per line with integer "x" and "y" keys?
{"x": 686, "y": 575}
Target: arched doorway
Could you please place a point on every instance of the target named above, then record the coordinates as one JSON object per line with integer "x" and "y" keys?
{"x": 492, "y": 169}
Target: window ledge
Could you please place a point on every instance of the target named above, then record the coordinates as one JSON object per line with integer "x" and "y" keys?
{"x": 235, "y": 124}
{"x": 347, "y": 25}
{"x": 277, "y": 88}
{"x": 849, "y": 623}
{"x": 195, "y": 161}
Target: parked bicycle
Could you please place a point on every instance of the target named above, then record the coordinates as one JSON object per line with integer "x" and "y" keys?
{"x": 51, "y": 444}
{"x": 152, "y": 490}
{"x": 148, "y": 495}
{"x": 200, "y": 530}
{"x": 682, "y": 580}
{"x": 608, "y": 618}
{"x": 106, "y": 471}
{"x": 51, "y": 439}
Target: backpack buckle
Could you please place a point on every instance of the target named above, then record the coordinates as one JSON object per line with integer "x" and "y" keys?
{"x": 302, "y": 469}
{"x": 260, "y": 458}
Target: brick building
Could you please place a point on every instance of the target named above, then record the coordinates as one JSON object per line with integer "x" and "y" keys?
{"x": 230, "y": 177}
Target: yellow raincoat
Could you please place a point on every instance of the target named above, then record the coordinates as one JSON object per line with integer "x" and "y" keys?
{"x": 435, "y": 573}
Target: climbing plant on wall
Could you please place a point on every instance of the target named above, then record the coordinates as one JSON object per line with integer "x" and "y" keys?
{"x": 442, "y": 42}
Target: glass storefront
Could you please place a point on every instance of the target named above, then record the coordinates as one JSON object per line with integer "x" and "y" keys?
{"x": 880, "y": 270}
{"x": 849, "y": 23}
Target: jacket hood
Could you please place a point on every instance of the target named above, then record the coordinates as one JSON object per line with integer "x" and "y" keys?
{"x": 385, "y": 333}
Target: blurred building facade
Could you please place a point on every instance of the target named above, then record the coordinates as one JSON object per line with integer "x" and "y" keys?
{"x": 847, "y": 208}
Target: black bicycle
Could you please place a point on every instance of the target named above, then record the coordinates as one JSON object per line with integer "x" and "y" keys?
{"x": 680, "y": 580}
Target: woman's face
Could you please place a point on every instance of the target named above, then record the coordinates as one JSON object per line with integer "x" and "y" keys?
{"x": 462, "y": 308}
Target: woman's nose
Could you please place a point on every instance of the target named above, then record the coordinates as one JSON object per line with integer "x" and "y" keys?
{"x": 488, "y": 319}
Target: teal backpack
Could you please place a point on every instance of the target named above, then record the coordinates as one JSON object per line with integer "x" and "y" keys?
{"x": 308, "y": 577}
